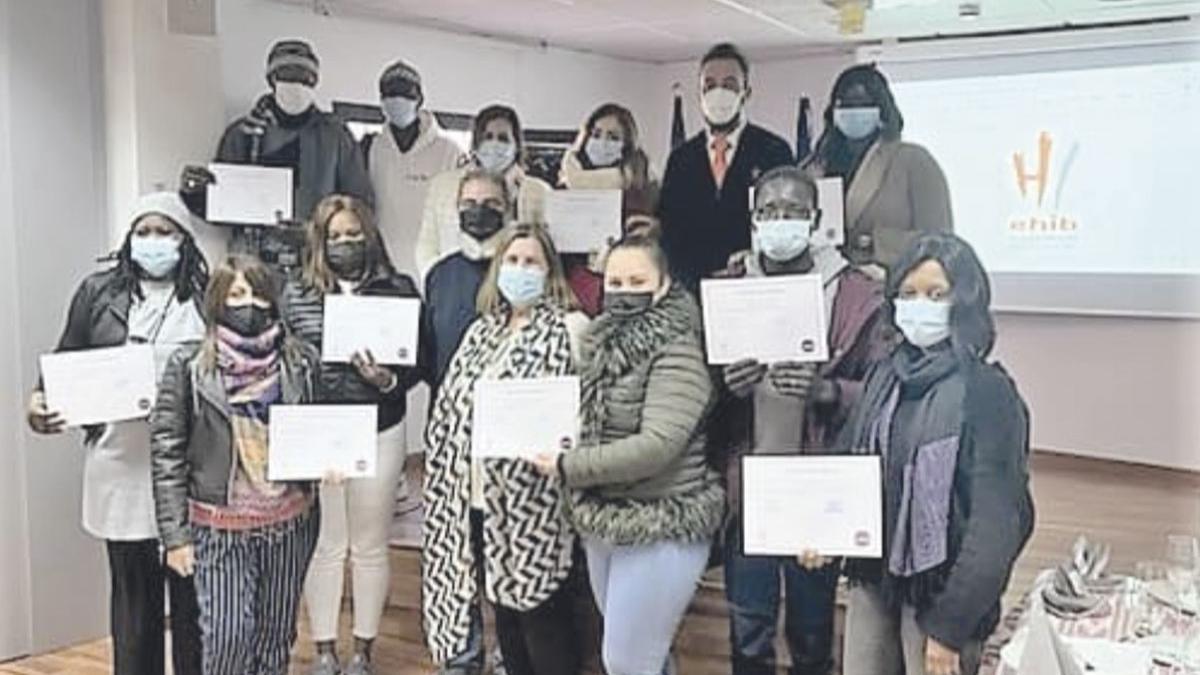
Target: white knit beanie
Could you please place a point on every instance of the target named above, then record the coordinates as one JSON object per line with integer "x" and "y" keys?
{"x": 167, "y": 204}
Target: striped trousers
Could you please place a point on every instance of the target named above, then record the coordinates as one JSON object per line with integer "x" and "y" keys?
{"x": 248, "y": 584}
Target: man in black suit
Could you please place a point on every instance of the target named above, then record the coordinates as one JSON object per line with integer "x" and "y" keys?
{"x": 705, "y": 205}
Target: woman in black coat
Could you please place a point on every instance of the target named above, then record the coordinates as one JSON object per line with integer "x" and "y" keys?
{"x": 953, "y": 434}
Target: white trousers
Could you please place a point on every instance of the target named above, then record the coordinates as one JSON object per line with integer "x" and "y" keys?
{"x": 356, "y": 520}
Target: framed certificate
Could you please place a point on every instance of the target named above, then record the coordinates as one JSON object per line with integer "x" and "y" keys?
{"x": 308, "y": 441}
{"x": 582, "y": 221}
{"x": 98, "y": 386}
{"x": 769, "y": 319}
{"x": 387, "y": 326}
{"x": 525, "y": 417}
{"x": 249, "y": 195}
{"x": 795, "y": 503}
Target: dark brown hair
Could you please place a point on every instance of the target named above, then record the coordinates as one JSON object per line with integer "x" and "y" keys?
{"x": 315, "y": 271}
{"x": 635, "y": 166}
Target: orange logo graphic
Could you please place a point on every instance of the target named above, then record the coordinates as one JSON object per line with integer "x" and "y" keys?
{"x": 1033, "y": 181}
{"x": 1040, "y": 177}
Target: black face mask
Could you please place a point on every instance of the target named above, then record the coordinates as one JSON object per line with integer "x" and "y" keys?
{"x": 248, "y": 320}
{"x": 347, "y": 259}
{"x": 480, "y": 222}
{"x": 625, "y": 305}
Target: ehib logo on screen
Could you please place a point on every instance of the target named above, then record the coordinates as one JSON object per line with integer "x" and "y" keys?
{"x": 1040, "y": 182}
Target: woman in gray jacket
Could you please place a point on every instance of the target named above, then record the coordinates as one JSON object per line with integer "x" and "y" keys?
{"x": 644, "y": 499}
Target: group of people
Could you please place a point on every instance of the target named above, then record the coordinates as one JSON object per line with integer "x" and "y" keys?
{"x": 648, "y": 501}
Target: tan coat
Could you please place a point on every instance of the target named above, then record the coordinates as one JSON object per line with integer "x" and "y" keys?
{"x": 898, "y": 193}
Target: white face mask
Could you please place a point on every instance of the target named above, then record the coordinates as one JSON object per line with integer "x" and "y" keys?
{"x": 496, "y": 156}
{"x": 782, "y": 240}
{"x": 924, "y": 322}
{"x": 602, "y": 152}
{"x": 401, "y": 111}
{"x": 294, "y": 98}
{"x": 720, "y": 105}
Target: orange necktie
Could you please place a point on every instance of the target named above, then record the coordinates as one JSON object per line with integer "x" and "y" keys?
{"x": 720, "y": 163}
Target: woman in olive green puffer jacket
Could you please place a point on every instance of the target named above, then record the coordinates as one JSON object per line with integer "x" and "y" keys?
{"x": 645, "y": 501}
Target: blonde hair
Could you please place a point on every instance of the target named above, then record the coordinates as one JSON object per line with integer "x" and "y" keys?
{"x": 558, "y": 292}
{"x": 315, "y": 271}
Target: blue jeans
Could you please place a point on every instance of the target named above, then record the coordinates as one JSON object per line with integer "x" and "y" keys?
{"x": 753, "y": 586}
{"x": 643, "y": 593}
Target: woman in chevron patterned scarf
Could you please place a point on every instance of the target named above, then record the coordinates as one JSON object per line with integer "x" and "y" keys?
{"x": 498, "y": 524}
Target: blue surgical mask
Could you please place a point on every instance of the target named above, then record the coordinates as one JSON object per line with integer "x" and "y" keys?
{"x": 401, "y": 111}
{"x": 603, "y": 151}
{"x": 496, "y": 156}
{"x": 923, "y": 322}
{"x": 857, "y": 123}
{"x": 521, "y": 286}
{"x": 782, "y": 240}
{"x": 157, "y": 256}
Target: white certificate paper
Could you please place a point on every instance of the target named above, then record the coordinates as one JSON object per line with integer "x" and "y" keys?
{"x": 769, "y": 319}
{"x": 387, "y": 326}
{"x": 308, "y": 441}
{"x": 582, "y": 221}
{"x": 832, "y": 202}
{"x": 249, "y": 195}
{"x": 796, "y": 503}
{"x": 520, "y": 418}
{"x": 98, "y": 386}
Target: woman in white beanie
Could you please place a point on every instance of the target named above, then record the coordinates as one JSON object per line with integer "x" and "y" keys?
{"x": 151, "y": 295}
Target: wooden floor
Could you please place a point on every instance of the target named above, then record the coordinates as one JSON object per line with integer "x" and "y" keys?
{"x": 1132, "y": 507}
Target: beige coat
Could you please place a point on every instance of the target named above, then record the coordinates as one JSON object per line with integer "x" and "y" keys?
{"x": 898, "y": 193}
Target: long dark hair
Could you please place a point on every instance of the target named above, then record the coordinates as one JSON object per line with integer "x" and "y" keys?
{"x": 191, "y": 274}
{"x": 635, "y": 166}
{"x": 972, "y": 329}
{"x": 315, "y": 271}
{"x": 833, "y": 148}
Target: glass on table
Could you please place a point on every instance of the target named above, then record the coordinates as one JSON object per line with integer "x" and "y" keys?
{"x": 1146, "y": 620}
{"x": 1183, "y": 564}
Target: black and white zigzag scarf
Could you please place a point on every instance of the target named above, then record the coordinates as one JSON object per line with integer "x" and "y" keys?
{"x": 527, "y": 542}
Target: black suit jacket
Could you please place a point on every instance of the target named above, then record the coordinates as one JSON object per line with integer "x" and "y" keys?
{"x": 704, "y": 225}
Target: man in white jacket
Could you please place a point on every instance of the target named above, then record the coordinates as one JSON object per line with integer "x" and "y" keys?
{"x": 402, "y": 159}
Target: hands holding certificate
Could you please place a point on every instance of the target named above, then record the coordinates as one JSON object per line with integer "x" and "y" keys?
{"x": 41, "y": 419}
{"x": 546, "y": 463}
{"x": 376, "y": 375}
{"x": 789, "y": 378}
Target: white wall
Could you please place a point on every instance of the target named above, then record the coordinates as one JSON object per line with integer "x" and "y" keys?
{"x": 51, "y": 229}
{"x": 15, "y": 635}
{"x": 548, "y": 87}
{"x": 162, "y": 108}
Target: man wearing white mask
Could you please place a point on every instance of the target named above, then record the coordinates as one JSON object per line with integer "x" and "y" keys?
{"x": 704, "y": 205}
{"x": 403, "y": 158}
{"x": 498, "y": 147}
{"x": 790, "y": 408}
{"x": 286, "y": 129}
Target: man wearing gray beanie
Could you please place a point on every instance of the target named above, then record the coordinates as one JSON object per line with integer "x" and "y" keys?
{"x": 287, "y": 129}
